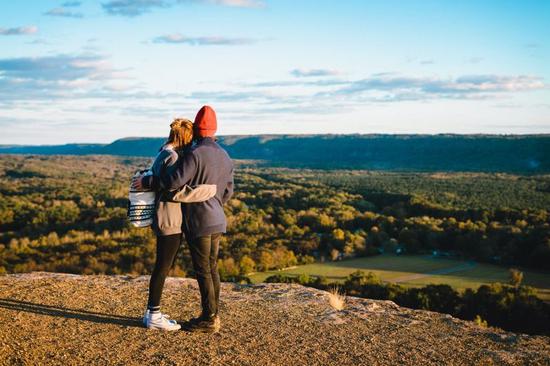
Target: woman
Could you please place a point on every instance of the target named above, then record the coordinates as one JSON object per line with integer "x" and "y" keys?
{"x": 167, "y": 223}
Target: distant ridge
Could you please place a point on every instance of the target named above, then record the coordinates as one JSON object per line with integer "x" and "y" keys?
{"x": 445, "y": 152}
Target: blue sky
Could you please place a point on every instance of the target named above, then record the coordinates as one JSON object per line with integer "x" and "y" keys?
{"x": 95, "y": 71}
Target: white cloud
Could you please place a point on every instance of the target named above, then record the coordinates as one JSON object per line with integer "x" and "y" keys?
{"x": 71, "y": 4}
{"x": 427, "y": 62}
{"x": 177, "y": 38}
{"x": 18, "y": 31}
{"x": 395, "y": 88}
{"x": 132, "y": 8}
{"x": 313, "y": 72}
{"x": 57, "y": 76}
{"x": 62, "y": 12}
{"x": 239, "y": 3}
{"x": 474, "y": 60}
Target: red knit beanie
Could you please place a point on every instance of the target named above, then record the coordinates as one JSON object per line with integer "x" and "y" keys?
{"x": 206, "y": 123}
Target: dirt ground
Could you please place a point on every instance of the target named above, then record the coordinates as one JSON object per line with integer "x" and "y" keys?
{"x": 56, "y": 319}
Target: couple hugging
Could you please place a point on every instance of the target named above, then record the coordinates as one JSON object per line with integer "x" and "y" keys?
{"x": 191, "y": 164}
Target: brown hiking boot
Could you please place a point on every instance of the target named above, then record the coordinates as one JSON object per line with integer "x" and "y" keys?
{"x": 203, "y": 324}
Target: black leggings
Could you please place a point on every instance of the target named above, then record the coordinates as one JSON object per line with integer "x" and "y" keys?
{"x": 167, "y": 248}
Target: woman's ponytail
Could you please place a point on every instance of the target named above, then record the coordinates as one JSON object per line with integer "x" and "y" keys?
{"x": 181, "y": 133}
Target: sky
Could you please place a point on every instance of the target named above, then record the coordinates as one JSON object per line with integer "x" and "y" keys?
{"x": 95, "y": 71}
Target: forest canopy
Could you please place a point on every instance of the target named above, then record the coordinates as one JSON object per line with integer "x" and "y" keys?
{"x": 68, "y": 213}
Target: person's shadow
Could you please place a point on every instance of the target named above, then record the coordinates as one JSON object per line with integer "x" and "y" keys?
{"x": 62, "y": 312}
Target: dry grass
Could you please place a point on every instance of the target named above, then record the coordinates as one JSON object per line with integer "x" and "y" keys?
{"x": 336, "y": 298}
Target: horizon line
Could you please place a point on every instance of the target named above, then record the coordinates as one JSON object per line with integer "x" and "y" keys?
{"x": 542, "y": 134}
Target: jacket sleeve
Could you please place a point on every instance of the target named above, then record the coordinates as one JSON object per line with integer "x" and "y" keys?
{"x": 172, "y": 179}
{"x": 157, "y": 164}
{"x": 229, "y": 188}
{"x": 163, "y": 160}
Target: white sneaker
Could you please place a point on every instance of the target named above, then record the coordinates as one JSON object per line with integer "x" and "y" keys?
{"x": 146, "y": 314}
{"x": 158, "y": 320}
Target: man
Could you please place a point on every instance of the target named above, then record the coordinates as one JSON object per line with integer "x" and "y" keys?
{"x": 203, "y": 222}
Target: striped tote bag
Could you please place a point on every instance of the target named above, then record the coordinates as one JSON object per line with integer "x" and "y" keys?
{"x": 141, "y": 206}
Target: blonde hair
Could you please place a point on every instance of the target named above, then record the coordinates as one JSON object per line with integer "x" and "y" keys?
{"x": 181, "y": 133}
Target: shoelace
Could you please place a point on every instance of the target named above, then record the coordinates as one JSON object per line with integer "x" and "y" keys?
{"x": 164, "y": 319}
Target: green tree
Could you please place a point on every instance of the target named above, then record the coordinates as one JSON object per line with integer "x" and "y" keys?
{"x": 247, "y": 264}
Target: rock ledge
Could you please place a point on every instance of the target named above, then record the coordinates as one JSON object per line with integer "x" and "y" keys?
{"x": 50, "y": 318}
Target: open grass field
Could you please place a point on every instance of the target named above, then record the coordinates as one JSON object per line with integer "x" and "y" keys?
{"x": 418, "y": 271}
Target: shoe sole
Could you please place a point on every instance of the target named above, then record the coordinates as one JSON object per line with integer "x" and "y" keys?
{"x": 203, "y": 330}
{"x": 178, "y": 327}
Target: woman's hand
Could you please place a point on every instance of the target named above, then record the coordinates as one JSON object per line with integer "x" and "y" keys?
{"x": 137, "y": 183}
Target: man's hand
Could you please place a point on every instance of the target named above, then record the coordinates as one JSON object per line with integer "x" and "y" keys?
{"x": 137, "y": 183}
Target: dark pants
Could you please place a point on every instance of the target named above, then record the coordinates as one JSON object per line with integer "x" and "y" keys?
{"x": 204, "y": 253}
{"x": 167, "y": 248}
